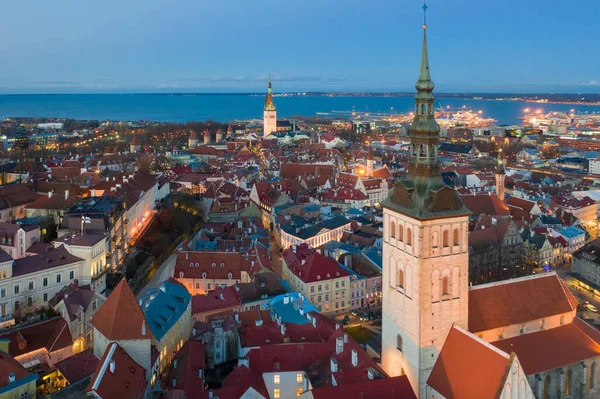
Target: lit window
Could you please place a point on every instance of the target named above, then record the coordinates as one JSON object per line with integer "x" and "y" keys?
{"x": 276, "y": 379}
{"x": 299, "y": 378}
{"x": 298, "y": 392}
{"x": 276, "y": 393}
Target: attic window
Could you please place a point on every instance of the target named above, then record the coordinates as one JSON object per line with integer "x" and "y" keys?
{"x": 191, "y": 264}
{"x": 214, "y": 265}
{"x": 203, "y": 274}
{"x": 222, "y": 264}
{"x": 229, "y": 275}
{"x": 318, "y": 276}
{"x": 197, "y": 264}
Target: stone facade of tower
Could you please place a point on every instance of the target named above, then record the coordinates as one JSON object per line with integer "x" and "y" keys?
{"x": 370, "y": 161}
{"x": 500, "y": 175}
{"x": 192, "y": 140}
{"x": 425, "y": 253}
{"x": 270, "y": 113}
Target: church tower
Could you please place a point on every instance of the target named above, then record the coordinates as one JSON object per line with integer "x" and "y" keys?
{"x": 370, "y": 161}
{"x": 425, "y": 252}
{"x": 500, "y": 175}
{"x": 270, "y": 113}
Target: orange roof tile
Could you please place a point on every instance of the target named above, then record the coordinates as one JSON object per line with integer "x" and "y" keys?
{"x": 120, "y": 317}
{"x": 517, "y": 301}
{"x": 468, "y": 367}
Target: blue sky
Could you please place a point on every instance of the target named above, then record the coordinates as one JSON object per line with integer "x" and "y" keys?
{"x": 309, "y": 45}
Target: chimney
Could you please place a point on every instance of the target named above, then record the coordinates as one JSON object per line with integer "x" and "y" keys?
{"x": 162, "y": 288}
{"x": 221, "y": 297}
{"x": 301, "y": 311}
{"x": 314, "y": 321}
{"x": 50, "y": 194}
{"x": 339, "y": 345}
{"x": 144, "y": 328}
{"x": 237, "y": 317}
{"x": 258, "y": 323}
{"x": 11, "y": 378}
{"x": 337, "y": 326}
{"x": 354, "y": 357}
{"x": 194, "y": 331}
{"x": 334, "y": 365}
{"x": 286, "y": 300}
{"x": 66, "y": 194}
{"x": 112, "y": 366}
{"x": 345, "y": 338}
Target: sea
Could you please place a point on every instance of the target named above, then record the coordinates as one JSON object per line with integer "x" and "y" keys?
{"x": 232, "y": 107}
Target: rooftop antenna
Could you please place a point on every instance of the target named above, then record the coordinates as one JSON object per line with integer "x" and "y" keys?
{"x": 425, "y": 14}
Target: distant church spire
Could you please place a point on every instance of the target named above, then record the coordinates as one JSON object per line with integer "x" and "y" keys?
{"x": 269, "y": 105}
{"x": 269, "y": 114}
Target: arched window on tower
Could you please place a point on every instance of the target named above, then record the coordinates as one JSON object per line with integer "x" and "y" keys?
{"x": 445, "y": 239}
{"x": 400, "y": 280}
{"x": 422, "y": 109}
{"x": 547, "y": 383}
{"x": 456, "y": 237}
{"x": 399, "y": 342}
{"x": 445, "y": 286}
{"x": 432, "y": 151}
{"x": 392, "y": 230}
{"x": 593, "y": 372}
{"x": 400, "y": 233}
{"x": 421, "y": 150}
{"x": 568, "y": 380}
{"x": 408, "y": 236}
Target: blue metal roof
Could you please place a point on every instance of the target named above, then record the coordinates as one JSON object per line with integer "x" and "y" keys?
{"x": 570, "y": 232}
{"x": 375, "y": 256}
{"x": 290, "y": 312}
{"x": 163, "y": 307}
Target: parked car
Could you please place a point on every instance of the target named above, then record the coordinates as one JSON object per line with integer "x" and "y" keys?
{"x": 346, "y": 319}
{"x": 590, "y": 307}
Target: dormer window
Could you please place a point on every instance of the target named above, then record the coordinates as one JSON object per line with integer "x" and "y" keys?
{"x": 214, "y": 265}
{"x": 203, "y": 274}
{"x": 222, "y": 264}
{"x": 230, "y": 275}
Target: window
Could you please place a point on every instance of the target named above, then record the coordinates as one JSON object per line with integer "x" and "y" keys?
{"x": 312, "y": 289}
{"x": 445, "y": 288}
{"x": 299, "y": 378}
{"x": 45, "y": 282}
{"x": 71, "y": 275}
{"x": 400, "y": 233}
{"x": 445, "y": 239}
{"x": 45, "y": 297}
{"x": 337, "y": 284}
{"x": 298, "y": 392}
{"x": 343, "y": 283}
{"x": 399, "y": 342}
{"x": 276, "y": 379}
{"x": 30, "y": 301}
{"x": 276, "y": 393}
{"x": 408, "y": 237}
{"x": 343, "y": 303}
{"x": 17, "y": 289}
{"x": 319, "y": 298}
{"x": 400, "y": 279}
{"x": 326, "y": 297}
{"x": 568, "y": 378}
{"x": 197, "y": 286}
{"x": 25, "y": 395}
{"x": 58, "y": 278}
{"x": 393, "y": 230}
{"x": 30, "y": 285}
{"x": 222, "y": 264}
{"x": 2, "y": 292}
{"x": 456, "y": 237}
{"x": 94, "y": 305}
{"x": 214, "y": 265}
{"x": 17, "y": 304}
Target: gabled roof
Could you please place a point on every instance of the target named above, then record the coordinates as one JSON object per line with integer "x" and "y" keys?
{"x": 310, "y": 266}
{"x": 120, "y": 317}
{"x": 570, "y": 343}
{"x": 468, "y": 367}
{"x": 190, "y": 358}
{"x": 165, "y": 306}
{"x": 128, "y": 381}
{"x": 381, "y": 388}
{"x": 51, "y": 335}
{"x": 488, "y": 204}
{"x": 8, "y": 366}
{"x": 518, "y": 301}
{"x": 78, "y": 366}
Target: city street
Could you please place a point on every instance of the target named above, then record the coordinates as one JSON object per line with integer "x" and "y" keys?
{"x": 581, "y": 295}
{"x": 162, "y": 274}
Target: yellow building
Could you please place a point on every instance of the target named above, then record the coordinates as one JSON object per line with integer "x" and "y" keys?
{"x": 19, "y": 383}
{"x": 319, "y": 278}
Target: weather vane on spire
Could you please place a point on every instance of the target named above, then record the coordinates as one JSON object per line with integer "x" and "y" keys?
{"x": 425, "y": 15}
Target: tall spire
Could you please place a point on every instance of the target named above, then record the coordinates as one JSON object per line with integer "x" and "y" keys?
{"x": 269, "y": 105}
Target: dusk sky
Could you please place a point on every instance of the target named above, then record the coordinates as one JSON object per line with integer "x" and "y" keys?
{"x": 308, "y": 45}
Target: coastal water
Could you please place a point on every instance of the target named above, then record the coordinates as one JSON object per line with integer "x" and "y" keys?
{"x": 229, "y": 107}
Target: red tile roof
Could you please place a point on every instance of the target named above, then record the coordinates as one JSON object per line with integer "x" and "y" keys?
{"x": 51, "y": 335}
{"x": 79, "y": 366}
{"x": 234, "y": 262}
{"x": 517, "y": 301}
{"x": 128, "y": 381}
{"x": 190, "y": 359}
{"x": 468, "y": 367}
{"x": 212, "y": 300}
{"x": 8, "y": 365}
{"x": 120, "y": 317}
{"x": 382, "y": 388}
{"x": 488, "y": 204}
{"x": 310, "y": 266}
{"x": 553, "y": 348}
